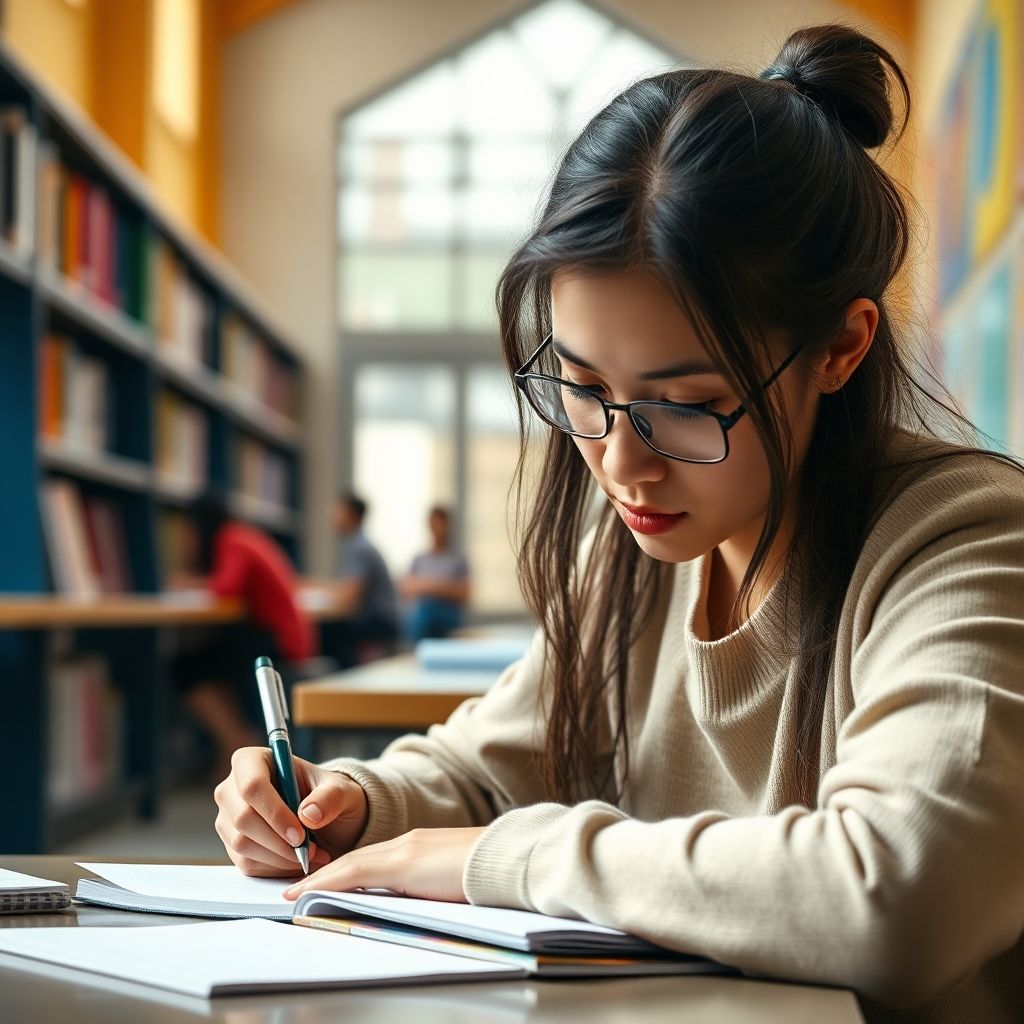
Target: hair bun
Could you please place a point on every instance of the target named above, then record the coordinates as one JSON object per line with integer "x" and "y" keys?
{"x": 844, "y": 72}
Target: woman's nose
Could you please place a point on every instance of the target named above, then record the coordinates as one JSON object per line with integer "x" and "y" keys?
{"x": 627, "y": 458}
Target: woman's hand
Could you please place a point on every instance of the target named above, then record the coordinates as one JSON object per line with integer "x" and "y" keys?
{"x": 426, "y": 862}
{"x": 258, "y": 830}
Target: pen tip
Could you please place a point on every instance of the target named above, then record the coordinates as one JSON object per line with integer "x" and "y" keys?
{"x": 303, "y": 857}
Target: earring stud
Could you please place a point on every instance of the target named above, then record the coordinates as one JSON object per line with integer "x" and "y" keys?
{"x": 836, "y": 383}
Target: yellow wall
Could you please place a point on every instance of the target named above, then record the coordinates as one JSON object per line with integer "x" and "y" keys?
{"x": 98, "y": 54}
{"x": 55, "y": 38}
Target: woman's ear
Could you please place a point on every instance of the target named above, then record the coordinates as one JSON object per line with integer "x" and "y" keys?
{"x": 835, "y": 366}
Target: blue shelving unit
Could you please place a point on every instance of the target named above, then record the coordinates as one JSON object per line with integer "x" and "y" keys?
{"x": 33, "y": 303}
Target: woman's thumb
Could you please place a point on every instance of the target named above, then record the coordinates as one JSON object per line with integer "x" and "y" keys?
{"x": 330, "y": 797}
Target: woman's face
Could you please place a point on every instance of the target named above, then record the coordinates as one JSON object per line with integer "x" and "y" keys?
{"x": 610, "y": 332}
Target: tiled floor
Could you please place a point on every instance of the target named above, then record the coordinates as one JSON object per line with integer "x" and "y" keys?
{"x": 184, "y": 829}
{"x": 185, "y": 826}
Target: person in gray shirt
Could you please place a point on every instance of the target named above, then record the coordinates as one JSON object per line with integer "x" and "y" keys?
{"x": 363, "y": 590}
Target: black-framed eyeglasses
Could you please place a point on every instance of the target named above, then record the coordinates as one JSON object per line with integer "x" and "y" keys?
{"x": 689, "y": 433}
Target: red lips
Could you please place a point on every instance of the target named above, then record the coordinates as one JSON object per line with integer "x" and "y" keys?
{"x": 645, "y": 520}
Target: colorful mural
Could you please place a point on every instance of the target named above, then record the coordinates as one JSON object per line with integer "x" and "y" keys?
{"x": 976, "y": 179}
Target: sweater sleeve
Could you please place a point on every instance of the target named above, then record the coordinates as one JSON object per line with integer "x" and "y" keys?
{"x": 907, "y": 875}
{"x": 464, "y": 772}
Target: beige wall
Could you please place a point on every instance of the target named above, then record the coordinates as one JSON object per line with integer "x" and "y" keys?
{"x": 285, "y": 81}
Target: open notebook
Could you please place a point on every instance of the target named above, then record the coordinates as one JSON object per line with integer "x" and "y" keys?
{"x": 550, "y": 945}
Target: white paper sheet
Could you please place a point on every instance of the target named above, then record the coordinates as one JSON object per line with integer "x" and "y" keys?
{"x": 212, "y": 883}
{"x": 15, "y": 881}
{"x": 238, "y": 956}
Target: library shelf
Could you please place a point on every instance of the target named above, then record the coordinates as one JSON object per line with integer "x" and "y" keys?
{"x": 64, "y": 348}
{"x": 87, "y": 463}
{"x": 15, "y": 264}
{"x": 94, "y": 315}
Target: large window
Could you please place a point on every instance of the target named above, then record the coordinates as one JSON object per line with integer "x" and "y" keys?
{"x": 438, "y": 178}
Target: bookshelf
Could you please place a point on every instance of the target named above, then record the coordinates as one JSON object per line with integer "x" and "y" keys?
{"x": 137, "y": 369}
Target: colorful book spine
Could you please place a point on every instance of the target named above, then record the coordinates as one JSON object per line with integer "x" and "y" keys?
{"x": 75, "y": 396}
{"x": 19, "y": 145}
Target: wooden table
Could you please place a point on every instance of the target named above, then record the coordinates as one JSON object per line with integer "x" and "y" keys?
{"x": 393, "y": 693}
{"x": 37, "y": 992}
{"x": 125, "y": 611}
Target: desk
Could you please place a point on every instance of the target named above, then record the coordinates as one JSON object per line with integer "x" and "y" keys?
{"x": 125, "y": 611}
{"x": 61, "y": 996}
{"x": 393, "y": 693}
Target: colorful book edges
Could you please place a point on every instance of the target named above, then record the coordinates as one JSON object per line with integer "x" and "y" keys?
{"x": 74, "y": 396}
{"x": 543, "y": 965}
{"x": 86, "y": 238}
{"x": 85, "y": 541}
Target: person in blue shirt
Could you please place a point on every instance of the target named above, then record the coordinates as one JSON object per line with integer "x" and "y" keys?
{"x": 437, "y": 585}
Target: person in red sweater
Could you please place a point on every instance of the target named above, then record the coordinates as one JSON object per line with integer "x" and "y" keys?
{"x": 234, "y": 560}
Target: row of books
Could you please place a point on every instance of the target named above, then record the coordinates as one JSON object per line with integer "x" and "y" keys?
{"x": 87, "y": 238}
{"x": 261, "y": 473}
{"x": 85, "y": 541}
{"x": 86, "y": 729}
{"x": 247, "y": 361}
{"x": 181, "y": 443}
{"x": 74, "y": 395}
{"x": 19, "y": 142}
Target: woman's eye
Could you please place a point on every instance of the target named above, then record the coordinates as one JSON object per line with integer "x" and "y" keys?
{"x": 590, "y": 389}
{"x": 708, "y": 405}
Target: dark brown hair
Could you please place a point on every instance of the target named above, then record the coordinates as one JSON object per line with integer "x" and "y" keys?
{"x": 756, "y": 202}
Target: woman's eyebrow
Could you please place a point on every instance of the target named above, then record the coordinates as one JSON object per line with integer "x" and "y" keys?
{"x": 686, "y": 368}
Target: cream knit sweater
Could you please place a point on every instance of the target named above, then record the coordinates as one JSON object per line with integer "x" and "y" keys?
{"x": 904, "y": 882}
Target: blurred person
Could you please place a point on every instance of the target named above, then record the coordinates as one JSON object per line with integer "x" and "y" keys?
{"x": 231, "y": 559}
{"x": 438, "y": 582}
{"x": 364, "y": 593}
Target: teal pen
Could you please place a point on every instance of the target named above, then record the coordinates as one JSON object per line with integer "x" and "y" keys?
{"x": 275, "y": 714}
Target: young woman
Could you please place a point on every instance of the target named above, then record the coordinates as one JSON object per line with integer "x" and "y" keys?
{"x": 775, "y": 711}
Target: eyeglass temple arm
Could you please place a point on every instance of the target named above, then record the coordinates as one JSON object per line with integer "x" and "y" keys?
{"x": 537, "y": 351}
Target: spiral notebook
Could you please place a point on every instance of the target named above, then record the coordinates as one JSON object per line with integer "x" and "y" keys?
{"x": 26, "y": 894}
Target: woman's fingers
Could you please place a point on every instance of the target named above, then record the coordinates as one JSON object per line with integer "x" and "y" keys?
{"x": 260, "y": 832}
{"x": 255, "y": 825}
